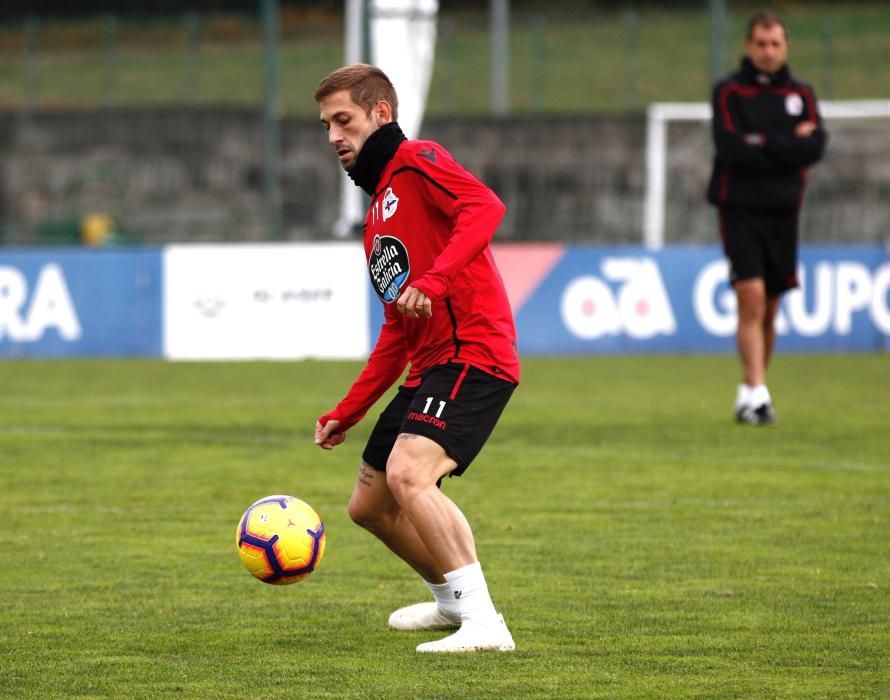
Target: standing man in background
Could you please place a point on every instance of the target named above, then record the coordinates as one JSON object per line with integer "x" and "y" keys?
{"x": 446, "y": 314}
{"x": 767, "y": 131}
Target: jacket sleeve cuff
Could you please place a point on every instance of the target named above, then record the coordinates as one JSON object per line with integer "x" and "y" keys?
{"x": 434, "y": 286}
{"x": 333, "y": 415}
{"x": 347, "y": 420}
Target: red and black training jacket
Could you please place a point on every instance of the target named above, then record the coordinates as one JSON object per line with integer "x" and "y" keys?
{"x": 429, "y": 225}
{"x": 759, "y": 162}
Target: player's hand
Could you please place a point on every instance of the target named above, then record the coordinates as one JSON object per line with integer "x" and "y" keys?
{"x": 327, "y": 437}
{"x": 415, "y": 304}
{"x": 804, "y": 129}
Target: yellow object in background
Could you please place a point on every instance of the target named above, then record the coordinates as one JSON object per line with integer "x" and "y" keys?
{"x": 97, "y": 229}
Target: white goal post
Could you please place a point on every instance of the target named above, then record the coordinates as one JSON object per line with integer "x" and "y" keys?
{"x": 660, "y": 114}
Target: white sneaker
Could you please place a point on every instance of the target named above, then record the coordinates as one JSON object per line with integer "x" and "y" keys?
{"x": 422, "y": 616}
{"x": 474, "y": 637}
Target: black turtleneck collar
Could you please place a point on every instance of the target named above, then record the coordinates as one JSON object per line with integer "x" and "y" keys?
{"x": 759, "y": 77}
{"x": 378, "y": 150}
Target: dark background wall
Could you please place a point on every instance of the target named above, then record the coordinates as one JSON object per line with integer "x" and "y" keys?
{"x": 199, "y": 176}
{"x": 196, "y": 174}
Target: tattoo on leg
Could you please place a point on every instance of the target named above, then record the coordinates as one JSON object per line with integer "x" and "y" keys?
{"x": 365, "y": 475}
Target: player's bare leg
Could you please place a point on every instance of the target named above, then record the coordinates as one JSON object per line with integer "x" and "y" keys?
{"x": 769, "y": 330}
{"x": 755, "y": 338}
{"x": 415, "y": 466}
{"x": 373, "y": 507}
{"x": 751, "y": 295}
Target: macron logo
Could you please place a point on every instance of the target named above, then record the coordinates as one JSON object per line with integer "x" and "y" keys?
{"x": 457, "y": 595}
{"x": 424, "y": 418}
{"x": 428, "y": 153}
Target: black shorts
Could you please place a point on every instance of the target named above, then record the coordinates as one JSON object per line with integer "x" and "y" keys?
{"x": 761, "y": 244}
{"x": 456, "y": 406}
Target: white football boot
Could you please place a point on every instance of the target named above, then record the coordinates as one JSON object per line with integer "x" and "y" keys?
{"x": 473, "y": 636}
{"x": 422, "y": 616}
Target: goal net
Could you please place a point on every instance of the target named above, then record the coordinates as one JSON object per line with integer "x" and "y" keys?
{"x": 847, "y": 192}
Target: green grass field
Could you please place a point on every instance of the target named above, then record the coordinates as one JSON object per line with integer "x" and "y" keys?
{"x": 564, "y": 57}
{"x": 638, "y": 542}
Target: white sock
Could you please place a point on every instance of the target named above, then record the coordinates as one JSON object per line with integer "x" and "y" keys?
{"x": 759, "y": 396}
{"x": 446, "y": 602}
{"x": 743, "y": 396}
{"x": 470, "y": 592}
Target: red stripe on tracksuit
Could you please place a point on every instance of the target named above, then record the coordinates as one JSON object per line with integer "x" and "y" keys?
{"x": 460, "y": 380}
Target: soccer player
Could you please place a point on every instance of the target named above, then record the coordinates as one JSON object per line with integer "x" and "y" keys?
{"x": 426, "y": 238}
{"x": 767, "y": 131}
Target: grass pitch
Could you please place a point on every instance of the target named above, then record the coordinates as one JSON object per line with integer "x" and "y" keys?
{"x": 638, "y": 542}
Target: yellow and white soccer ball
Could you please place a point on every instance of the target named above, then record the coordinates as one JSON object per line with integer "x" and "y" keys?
{"x": 280, "y": 539}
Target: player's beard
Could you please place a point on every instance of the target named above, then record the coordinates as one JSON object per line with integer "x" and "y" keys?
{"x": 350, "y": 164}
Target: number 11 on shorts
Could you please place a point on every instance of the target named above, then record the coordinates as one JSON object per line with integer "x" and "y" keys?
{"x": 429, "y": 402}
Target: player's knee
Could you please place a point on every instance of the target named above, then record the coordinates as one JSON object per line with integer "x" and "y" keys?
{"x": 367, "y": 517}
{"x": 399, "y": 476}
{"x": 364, "y": 511}
{"x": 751, "y": 315}
{"x": 751, "y": 308}
{"x": 407, "y": 478}
{"x": 358, "y": 513}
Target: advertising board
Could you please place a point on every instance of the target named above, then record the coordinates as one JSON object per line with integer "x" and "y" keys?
{"x": 583, "y": 300}
{"x": 265, "y": 301}
{"x": 80, "y": 302}
{"x": 293, "y": 301}
{"x": 606, "y": 300}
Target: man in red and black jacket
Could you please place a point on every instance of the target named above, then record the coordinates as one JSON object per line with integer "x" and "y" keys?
{"x": 447, "y": 318}
{"x": 767, "y": 131}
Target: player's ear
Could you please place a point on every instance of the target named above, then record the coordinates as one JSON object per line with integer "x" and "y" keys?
{"x": 382, "y": 113}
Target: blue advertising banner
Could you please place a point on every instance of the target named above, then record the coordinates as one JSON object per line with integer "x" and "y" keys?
{"x": 582, "y": 300}
{"x": 80, "y": 302}
{"x": 606, "y": 300}
{"x": 567, "y": 300}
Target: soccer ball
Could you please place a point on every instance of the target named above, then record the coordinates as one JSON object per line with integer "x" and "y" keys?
{"x": 280, "y": 539}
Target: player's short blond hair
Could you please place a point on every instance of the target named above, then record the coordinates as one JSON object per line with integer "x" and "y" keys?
{"x": 367, "y": 86}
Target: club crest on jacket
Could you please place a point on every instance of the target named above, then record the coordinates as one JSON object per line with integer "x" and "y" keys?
{"x": 390, "y": 203}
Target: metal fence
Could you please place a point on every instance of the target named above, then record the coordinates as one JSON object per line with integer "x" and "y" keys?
{"x": 533, "y": 58}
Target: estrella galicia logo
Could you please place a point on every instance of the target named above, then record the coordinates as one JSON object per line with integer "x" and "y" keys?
{"x": 388, "y": 266}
